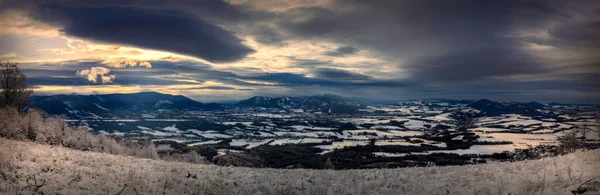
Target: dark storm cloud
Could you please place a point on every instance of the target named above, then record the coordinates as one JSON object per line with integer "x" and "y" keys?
{"x": 45, "y": 80}
{"x": 289, "y": 79}
{"x": 219, "y": 88}
{"x": 323, "y": 78}
{"x": 338, "y": 74}
{"x": 437, "y": 48}
{"x": 584, "y": 34}
{"x": 432, "y": 37}
{"x": 165, "y": 72}
{"x": 342, "y": 51}
{"x": 267, "y": 35}
{"x": 472, "y": 65}
{"x": 209, "y": 10}
{"x": 310, "y": 63}
{"x": 173, "y": 31}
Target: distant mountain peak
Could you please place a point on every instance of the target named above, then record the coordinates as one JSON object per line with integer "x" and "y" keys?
{"x": 317, "y": 103}
{"x": 107, "y": 104}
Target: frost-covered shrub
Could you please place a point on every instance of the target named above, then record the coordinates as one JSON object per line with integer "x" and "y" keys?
{"x": 10, "y": 124}
{"x": 37, "y": 126}
{"x": 75, "y": 172}
{"x": 146, "y": 149}
{"x": 569, "y": 142}
{"x": 189, "y": 157}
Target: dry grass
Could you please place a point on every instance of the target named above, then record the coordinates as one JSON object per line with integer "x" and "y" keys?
{"x": 67, "y": 171}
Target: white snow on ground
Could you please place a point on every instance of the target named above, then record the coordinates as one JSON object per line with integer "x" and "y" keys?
{"x": 100, "y": 173}
{"x": 406, "y": 133}
{"x": 103, "y": 108}
{"x": 322, "y": 128}
{"x": 312, "y": 140}
{"x": 479, "y": 149}
{"x": 387, "y": 154}
{"x": 543, "y": 131}
{"x": 233, "y": 123}
{"x": 249, "y": 143}
{"x": 500, "y": 119}
{"x": 268, "y": 115}
{"x": 342, "y": 144}
{"x": 399, "y": 142}
{"x": 113, "y": 120}
{"x": 285, "y": 141}
{"x": 68, "y": 104}
{"x": 489, "y": 129}
{"x": 300, "y": 127}
{"x": 167, "y": 120}
{"x": 143, "y": 128}
{"x": 94, "y": 115}
{"x": 170, "y": 139}
{"x": 296, "y": 141}
{"x": 440, "y": 117}
{"x": 157, "y": 133}
{"x": 148, "y": 116}
{"x": 520, "y": 140}
{"x": 205, "y": 142}
{"x": 364, "y": 120}
{"x": 215, "y": 135}
{"x": 304, "y": 127}
{"x": 171, "y": 128}
{"x": 385, "y": 127}
{"x": 210, "y": 134}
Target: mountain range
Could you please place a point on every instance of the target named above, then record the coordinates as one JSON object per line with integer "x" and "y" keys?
{"x": 115, "y": 104}
{"x": 318, "y": 103}
{"x": 74, "y": 106}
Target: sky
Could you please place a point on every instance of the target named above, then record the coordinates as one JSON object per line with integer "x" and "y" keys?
{"x": 212, "y": 50}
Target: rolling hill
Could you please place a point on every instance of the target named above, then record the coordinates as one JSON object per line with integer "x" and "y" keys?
{"x": 111, "y": 104}
{"x": 319, "y": 103}
{"x": 27, "y": 167}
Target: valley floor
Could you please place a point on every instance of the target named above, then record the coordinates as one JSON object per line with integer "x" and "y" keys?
{"x": 34, "y": 168}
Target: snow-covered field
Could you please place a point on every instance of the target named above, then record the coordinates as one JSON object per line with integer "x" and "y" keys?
{"x": 66, "y": 171}
{"x": 388, "y": 124}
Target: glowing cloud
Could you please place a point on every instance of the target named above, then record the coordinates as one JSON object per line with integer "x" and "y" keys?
{"x": 130, "y": 64}
{"x": 97, "y": 75}
{"x": 8, "y": 55}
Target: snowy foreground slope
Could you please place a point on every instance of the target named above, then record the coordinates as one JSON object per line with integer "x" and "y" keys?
{"x": 65, "y": 171}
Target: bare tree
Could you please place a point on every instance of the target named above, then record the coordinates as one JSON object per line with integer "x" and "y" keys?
{"x": 569, "y": 142}
{"x": 13, "y": 84}
{"x": 584, "y": 130}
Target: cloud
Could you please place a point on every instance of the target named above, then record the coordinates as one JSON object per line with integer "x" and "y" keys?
{"x": 130, "y": 63}
{"x": 584, "y": 34}
{"x": 416, "y": 36}
{"x": 225, "y": 88}
{"x": 166, "y": 30}
{"x": 97, "y": 75}
{"x": 338, "y": 74}
{"x": 380, "y": 49}
{"x": 342, "y": 51}
{"x": 9, "y": 55}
